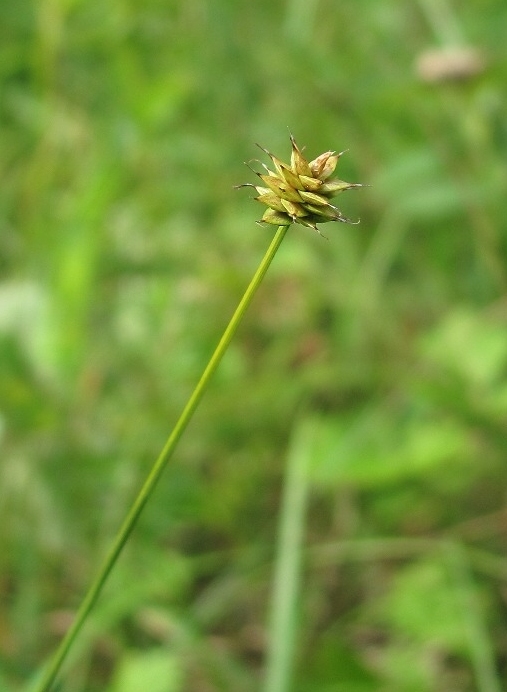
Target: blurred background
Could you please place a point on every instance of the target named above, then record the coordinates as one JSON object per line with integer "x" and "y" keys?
{"x": 335, "y": 517}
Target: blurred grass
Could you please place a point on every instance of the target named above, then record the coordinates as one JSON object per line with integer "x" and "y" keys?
{"x": 124, "y": 126}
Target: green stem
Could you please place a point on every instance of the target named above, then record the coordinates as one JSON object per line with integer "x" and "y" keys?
{"x": 157, "y": 469}
{"x": 280, "y": 658}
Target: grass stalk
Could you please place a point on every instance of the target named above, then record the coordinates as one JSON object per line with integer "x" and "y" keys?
{"x": 285, "y": 594}
{"x": 53, "y": 669}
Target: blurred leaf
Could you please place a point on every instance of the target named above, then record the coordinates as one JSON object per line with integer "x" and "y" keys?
{"x": 417, "y": 186}
{"x": 335, "y": 668}
{"x": 470, "y": 345}
{"x": 380, "y": 446}
{"x": 156, "y": 671}
{"x": 408, "y": 669}
{"x": 423, "y": 605}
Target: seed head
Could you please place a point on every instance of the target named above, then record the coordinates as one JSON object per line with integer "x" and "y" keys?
{"x": 299, "y": 192}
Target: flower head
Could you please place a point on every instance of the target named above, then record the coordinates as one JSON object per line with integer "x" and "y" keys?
{"x": 299, "y": 192}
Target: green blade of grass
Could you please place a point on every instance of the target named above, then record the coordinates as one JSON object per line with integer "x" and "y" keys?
{"x": 282, "y": 629}
{"x": 49, "y": 675}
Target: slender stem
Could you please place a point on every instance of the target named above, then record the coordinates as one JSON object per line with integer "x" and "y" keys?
{"x": 280, "y": 659}
{"x": 157, "y": 469}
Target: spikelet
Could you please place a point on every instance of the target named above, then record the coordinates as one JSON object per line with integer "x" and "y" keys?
{"x": 299, "y": 192}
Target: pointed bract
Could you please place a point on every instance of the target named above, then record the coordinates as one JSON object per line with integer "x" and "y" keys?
{"x": 311, "y": 184}
{"x": 295, "y": 211}
{"x": 328, "y": 167}
{"x": 313, "y": 198}
{"x": 318, "y": 164}
{"x": 281, "y": 188}
{"x": 333, "y": 187}
{"x": 271, "y": 200}
{"x": 292, "y": 179}
{"x": 276, "y": 218}
{"x": 299, "y": 164}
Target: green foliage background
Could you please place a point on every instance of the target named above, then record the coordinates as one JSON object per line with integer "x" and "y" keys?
{"x": 369, "y": 379}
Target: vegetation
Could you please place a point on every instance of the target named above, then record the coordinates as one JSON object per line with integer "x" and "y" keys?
{"x": 334, "y": 517}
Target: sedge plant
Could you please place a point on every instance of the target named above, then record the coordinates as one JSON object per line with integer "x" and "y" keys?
{"x": 299, "y": 192}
